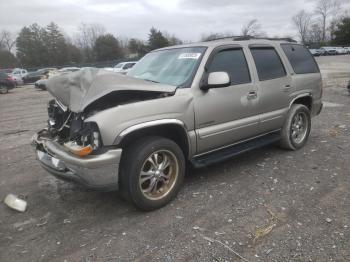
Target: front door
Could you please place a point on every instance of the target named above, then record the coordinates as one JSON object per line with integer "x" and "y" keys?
{"x": 226, "y": 115}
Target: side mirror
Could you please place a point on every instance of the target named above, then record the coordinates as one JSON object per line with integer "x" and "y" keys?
{"x": 217, "y": 80}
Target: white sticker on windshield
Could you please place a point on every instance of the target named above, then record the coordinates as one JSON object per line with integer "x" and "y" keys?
{"x": 189, "y": 56}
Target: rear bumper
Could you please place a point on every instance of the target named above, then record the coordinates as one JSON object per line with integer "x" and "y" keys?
{"x": 317, "y": 107}
{"x": 94, "y": 171}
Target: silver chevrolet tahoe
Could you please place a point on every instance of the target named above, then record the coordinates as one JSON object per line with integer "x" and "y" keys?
{"x": 193, "y": 104}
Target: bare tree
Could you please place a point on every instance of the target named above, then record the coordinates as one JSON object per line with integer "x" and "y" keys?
{"x": 315, "y": 33}
{"x": 252, "y": 28}
{"x": 302, "y": 21}
{"x": 88, "y": 33}
{"x": 7, "y": 42}
{"x": 86, "y": 38}
{"x": 327, "y": 9}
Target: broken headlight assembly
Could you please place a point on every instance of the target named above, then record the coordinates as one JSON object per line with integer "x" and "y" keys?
{"x": 85, "y": 138}
{"x": 68, "y": 128}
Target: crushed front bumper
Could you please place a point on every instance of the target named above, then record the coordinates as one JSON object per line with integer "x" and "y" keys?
{"x": 94, "y": 171}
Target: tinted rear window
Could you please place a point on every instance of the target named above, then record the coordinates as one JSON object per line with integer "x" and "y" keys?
{"x": 234, "y": 63}
{"x": 300, "y": 59}
{"x": 268, "y": 63}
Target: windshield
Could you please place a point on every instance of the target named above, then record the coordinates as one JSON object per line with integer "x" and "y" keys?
{"x": 119, "y": 65}
{"x": 170, "y": 66}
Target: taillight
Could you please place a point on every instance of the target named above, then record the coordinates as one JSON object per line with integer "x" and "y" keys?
{"x": 9, "y": 78}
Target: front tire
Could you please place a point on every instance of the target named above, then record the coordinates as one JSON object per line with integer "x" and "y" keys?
{"x": 3, "y": 89}
{"x": 152, "y": 172}
{"x": 296, "y": 128}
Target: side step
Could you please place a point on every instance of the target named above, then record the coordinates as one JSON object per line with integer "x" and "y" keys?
{"x": 234, "y": 150}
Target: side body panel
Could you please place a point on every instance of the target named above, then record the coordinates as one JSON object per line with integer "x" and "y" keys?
{"x": 224, "y": 115}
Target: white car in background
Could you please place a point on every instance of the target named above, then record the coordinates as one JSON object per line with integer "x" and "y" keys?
{"x": 341, "y": 50}
{"x": 68, "y": 69}
{"x": 18, "y": 74}
{"x": 329, "y": 50}
{"x": 347, "y": 50}
{"x": 124, "y": 67}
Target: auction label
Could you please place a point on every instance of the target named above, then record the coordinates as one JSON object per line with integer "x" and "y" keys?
{"x": 189, "y": 56}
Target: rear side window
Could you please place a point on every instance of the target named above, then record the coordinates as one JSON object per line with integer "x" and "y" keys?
{"x": 268, "y": 63}
{"x": 300, "y": 59}
{"x": 234, "y": 63}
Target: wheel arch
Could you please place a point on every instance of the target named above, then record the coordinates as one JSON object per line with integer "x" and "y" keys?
{"x": 303, "y": 99}
{"x": 172, "y": 129}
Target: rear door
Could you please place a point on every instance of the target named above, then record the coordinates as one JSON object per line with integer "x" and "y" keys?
{"x": 274, "y": 87}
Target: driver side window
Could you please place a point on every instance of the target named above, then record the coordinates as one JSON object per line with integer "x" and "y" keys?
{"x": 234, "y": 63}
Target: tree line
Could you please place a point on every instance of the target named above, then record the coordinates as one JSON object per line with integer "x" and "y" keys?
{"x": 329, "y": 23}
{"x": 38, "y": 46}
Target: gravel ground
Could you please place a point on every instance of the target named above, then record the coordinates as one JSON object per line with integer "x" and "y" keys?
{"x": 266, "y": 205}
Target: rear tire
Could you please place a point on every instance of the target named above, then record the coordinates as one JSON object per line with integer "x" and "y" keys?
{"x": 3, "y": 89}
{"x": 296, "y": 128}
{"x": 151, "y": 172}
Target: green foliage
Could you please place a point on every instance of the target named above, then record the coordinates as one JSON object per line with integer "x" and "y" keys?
{"x": 74, "y": 54}
{"x": 55, "y": 45}
{"x": 156, "y": 39}
{"x": 31, "y": 50}
{"x": 47, "y": 46}
{"x": 7, "y": 59}
{"x": 342, "y": 33}
{"x": 44, "y": 46}
{"x": 107, "y": 47}
{"x": 138, "y": 47}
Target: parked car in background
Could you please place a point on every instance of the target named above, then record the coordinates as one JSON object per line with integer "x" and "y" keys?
{"x": 329, "y": 50}
{"x": 18, "y": 74}
{"x": 110, "y": 69}
{"x": 68, "y": 69}
{"x": 39, "y": 74}
{"x": 198, "y": 103}
{"x": 6, "y": 82}
{"x": 124, "y": 67}
{"x": 41, "y": 83}
{"x": 341, "y": 50}
{"x": 315, "y": 52}
{"x": 347, "y": 50}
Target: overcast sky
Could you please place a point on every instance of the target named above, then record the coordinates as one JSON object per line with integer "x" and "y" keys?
{"x": 187, "y": 19}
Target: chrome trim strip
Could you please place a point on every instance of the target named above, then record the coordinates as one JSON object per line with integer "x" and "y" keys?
{"x": 236, "y": 143}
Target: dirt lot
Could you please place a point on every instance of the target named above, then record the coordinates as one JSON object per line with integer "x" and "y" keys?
{"x": 267, "y": 205}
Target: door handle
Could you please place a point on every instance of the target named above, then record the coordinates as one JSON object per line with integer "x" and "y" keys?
{"x": 252, "y": 95}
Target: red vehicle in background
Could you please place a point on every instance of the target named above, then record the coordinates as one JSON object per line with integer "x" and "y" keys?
{"x": 6, "y": 82}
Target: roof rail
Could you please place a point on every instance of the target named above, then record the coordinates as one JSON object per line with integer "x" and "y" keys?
{"x": 248, "y": 37}
{"x": 220, "y": 38}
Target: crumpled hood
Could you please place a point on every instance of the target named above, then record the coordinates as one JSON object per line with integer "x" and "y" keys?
{"x": 79, "y": 89}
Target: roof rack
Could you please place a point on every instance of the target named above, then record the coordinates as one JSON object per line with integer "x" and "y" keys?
{"x": 248, "y": 37}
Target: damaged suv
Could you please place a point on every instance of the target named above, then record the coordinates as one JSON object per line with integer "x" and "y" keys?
{"x": 191, "y": 104}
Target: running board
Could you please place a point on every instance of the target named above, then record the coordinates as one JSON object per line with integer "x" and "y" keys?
{"x": 234, "y": 150}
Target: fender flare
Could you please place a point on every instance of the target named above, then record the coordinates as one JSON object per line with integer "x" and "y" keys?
{"x": 153, "y": 123}
{"x": 300, "y": 96}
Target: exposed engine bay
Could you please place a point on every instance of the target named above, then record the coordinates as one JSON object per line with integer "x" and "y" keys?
{"x": 84, "y": 93}
{"x": 68, "y": 128}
